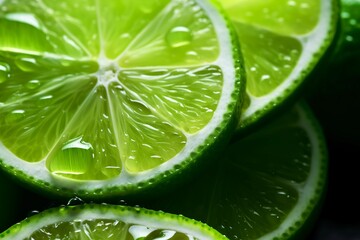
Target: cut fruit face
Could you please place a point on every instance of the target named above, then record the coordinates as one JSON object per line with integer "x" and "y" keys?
{"x": 282, "y": 41}
{"x": 99, "y": 95}
{"x": 267, "y": 185}
{"x": 109, "y": 222}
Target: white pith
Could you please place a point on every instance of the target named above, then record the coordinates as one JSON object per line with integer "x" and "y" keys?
{"x": 152, "y": 221}
{"x": 307, "y": 191}
{"x": 225, "y": 61}
{"x": 311, "y": 43}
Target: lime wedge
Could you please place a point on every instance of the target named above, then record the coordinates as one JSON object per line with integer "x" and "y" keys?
{"x": 267, "y": 186}
{"x": 282, "y": 41}
{"x": 110, "y": 97}
{"x": 109, "y": 222}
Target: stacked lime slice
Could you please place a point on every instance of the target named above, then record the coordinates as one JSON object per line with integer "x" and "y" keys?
{"x": 268, "y": 185}
{"x": 282, "y": 42}
{"x": 92, "y": 107}
{"x": 109, "y": 222}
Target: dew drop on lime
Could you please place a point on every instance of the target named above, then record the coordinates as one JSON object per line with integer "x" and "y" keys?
{"x": 33, "y": 212}
{"x": 15, "y": 116}
{"x": 33, "y": 84}
{"x": 26, "y": 64}
{"x": 146, "y": 7}
{"x": 75, "y": 157}
{"x": 4, "y": 72}
{"x": 178, "y": 37}
{"x": 75, "y": 201}
{"x": 44, "y": 100}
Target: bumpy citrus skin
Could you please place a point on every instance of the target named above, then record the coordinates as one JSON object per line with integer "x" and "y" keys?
{"x": 109, "y": 222}
{"x": 88, "y": 133}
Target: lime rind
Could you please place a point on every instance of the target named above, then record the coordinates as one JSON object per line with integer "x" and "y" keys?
{"x": 207, "y": 140}
{"x": 312, "y": 190}
{"x": 320, "y": 37}
{"x": 129, "y": 215}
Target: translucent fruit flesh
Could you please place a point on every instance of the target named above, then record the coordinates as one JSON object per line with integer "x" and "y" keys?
{"x": 93, "y": 101}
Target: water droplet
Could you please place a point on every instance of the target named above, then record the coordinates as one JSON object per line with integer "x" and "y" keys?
{"x": 26, "y": 18}
{"x": 32, "y": 213}
{"x": 74, "y": 158}
{"x": 75, "y": 201}
{"x": 291, "y": 3}
{"x": 15, "y": 116}
{"x": 349, "y": 38}
{"x": 27, "y": 64}
{"x": 353, "y": 22}
{"x": 4, "y": 72}
{"x": 345, "y": 15}
{"x": 294, "y": 53}
{"x": 304, "y": 5}
{"x": 178, "y": 37}
{"x": 44, "y": 100}
{"x": 140, "y": 106}
{"x": 265, "y": 77}
{"x": 253, "y": 69}
{"x": 146, "y": 7}
{"x": 32, "y": 84}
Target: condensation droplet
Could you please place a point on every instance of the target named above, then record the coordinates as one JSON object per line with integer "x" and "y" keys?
{"x": 146, "y": 7}
{"x": 265, "y": 77}
{"x": 15, "y": 116}
{"x": 291, "y": 3}
{"x": 353, "y": 22}
{"x": 33, "y": 212}
{"x": 178, "y": 37}
{"x": 26, "y": 64}
{"x": 33, "y": 84}
{"x": 4, "y": 72}
{"x": 45, "y": 100}
{"x": 75, "y": 201}
{"x": 349, "y": 38}
{"x": 74, "y": 158}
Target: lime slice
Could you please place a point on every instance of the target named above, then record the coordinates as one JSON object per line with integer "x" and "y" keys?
{"x": 109, "y": 222}
{"x": 267, "y": 186}
{"x": 111, "y": 97}
{"x": 282, "y": 41}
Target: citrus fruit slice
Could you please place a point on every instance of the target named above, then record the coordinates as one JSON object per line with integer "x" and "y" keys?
{"x": 109, "y": 97}
{"x": 268, "y": 185}
{"x": 282, "y": 41}
{"x": 109, "y": 222}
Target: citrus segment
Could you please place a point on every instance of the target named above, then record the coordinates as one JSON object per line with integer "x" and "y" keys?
{"x": 270, "y": 58}
{"x": 188, "y": 98}
{"x": 31, "y": 102}
{"x": 266, "y": 186}
{"x": 118, "y": 29}
{"x": 180, "y": 38}
{"x": 113, "y": 103}
{"x": 109, "y": 222}
{"x": 284, "y": 17}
